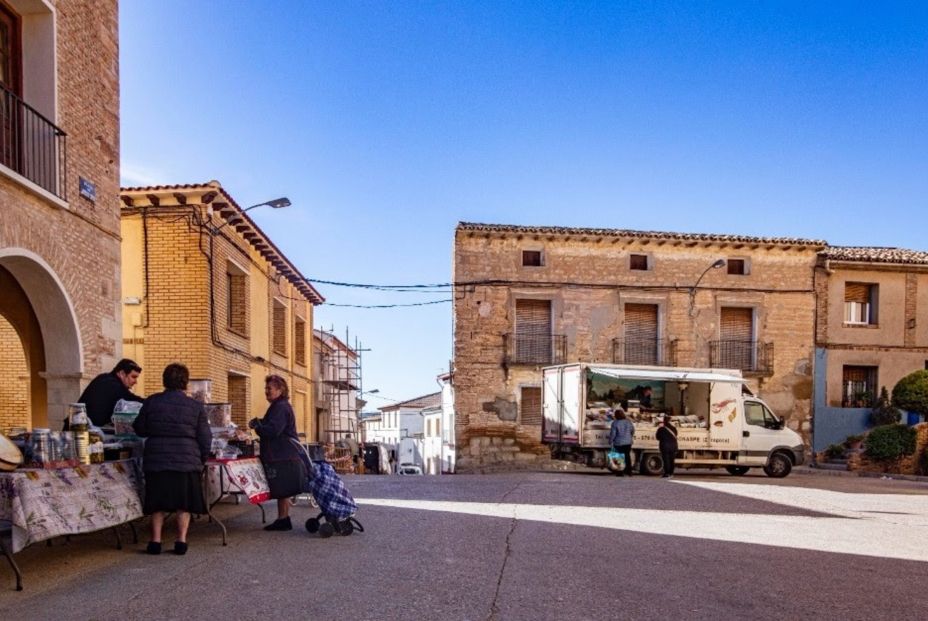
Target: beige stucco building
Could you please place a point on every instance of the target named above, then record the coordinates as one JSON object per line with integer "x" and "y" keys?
{"x": 59, "y": 214}
{"x": 527, "y": 297}
{"x": 203, "y": 285}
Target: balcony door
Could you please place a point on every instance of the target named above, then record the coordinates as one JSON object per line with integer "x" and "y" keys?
{"x": 736, "y": 338}
{"x": 641, "y": 345}
{"x": 533, "y": 331}
{"x": 11, "y": 81}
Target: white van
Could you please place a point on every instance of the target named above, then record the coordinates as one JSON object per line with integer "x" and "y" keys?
{"x": 719, "y": 424}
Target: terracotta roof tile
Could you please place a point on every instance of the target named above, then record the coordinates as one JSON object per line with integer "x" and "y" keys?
{"x": 425, "y": 401}
{"x": 871, "y": 254}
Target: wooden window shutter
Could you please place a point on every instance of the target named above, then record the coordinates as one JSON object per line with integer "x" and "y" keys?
{"x": 533, "y": 317}
{"x": 737, "y": 324}
{"x": 530, "y": 405}
{"x": 857, "y": 292}
{"x": 640, "y": 322}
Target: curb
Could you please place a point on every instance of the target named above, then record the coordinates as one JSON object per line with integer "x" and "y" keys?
{"x": 812, "y": 470}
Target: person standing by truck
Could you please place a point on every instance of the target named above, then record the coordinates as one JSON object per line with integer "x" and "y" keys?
{"x": 667, "y": 442}
{"x": 621, "y": 435}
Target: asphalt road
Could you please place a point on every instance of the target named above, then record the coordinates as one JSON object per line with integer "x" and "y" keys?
{"x": 523, "y": 546}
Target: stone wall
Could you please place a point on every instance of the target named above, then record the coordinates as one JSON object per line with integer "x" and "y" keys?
{"x": 910, "y": 464}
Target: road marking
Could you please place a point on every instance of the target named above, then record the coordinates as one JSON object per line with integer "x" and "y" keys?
{"x": 857, "y": 527}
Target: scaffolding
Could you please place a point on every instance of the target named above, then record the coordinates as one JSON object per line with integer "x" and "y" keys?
{"x": 339, "y": 390}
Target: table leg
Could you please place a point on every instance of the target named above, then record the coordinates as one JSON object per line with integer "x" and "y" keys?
{"x": 209, "y": 507}
{"x": 9, "y": 557}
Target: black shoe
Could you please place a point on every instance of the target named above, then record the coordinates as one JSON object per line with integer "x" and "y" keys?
{"x": 180, "y": 548}
{"x": 154, "y": 547}
{"x": 280, "y": 524}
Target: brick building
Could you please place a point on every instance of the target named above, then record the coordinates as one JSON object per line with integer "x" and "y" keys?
{"x": 527, "y": 297}
{"x": 59, "y": 214}
{"x": 337, "y": 382}
{"x": 203, "y": 285}
{"x": 871, "y": 330}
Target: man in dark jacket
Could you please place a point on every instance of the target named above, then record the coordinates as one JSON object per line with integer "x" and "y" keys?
{"x": 106, "y": 389}
{"x": 667, "y": 441}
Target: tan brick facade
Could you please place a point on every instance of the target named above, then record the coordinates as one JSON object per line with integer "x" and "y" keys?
{"x": 64, "y": 252}
{"x": 202, "y": 283}
{"x": 586, "y": 277}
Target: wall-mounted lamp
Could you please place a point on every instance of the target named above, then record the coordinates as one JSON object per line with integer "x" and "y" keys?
{"x": 715, "y": 265}
{"x": 276, "y": 203}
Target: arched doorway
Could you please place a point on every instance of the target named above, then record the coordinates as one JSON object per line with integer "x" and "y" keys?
{"x": 34, "y": 304}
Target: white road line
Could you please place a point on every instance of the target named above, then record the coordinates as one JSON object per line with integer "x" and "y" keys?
{"x": 868, "y": 534}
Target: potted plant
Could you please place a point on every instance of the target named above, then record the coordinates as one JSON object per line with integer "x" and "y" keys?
{"x": 854, "y": 442}
{"x": 834, "y": 451}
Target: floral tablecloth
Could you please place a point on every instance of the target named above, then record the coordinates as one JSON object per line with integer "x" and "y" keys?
{"x": 244, "y": 476}
{"x": 42, "y": 504}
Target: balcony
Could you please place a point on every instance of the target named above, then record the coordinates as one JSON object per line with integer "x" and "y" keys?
{"x": 652, "y": 352}
{"x": 535, "y": 349}
{"x": 31, "y": 145}
{"x": 751, "y": 357}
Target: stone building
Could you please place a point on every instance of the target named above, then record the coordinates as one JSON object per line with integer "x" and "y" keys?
{"x": 527, "y": 297}
{"x": 871, "y": 330}
{"x": 203, "y": 285}
{"x": 337, "y": 387}
{"x": 59, "y": 214}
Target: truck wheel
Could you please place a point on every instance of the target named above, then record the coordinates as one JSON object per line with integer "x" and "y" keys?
{"x": 651, "y": 464}
{"x": 737, "y": 470}
{"x": 778, "y": 466}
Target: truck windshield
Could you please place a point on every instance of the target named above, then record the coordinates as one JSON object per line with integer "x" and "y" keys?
{"x": 756, "y": 414}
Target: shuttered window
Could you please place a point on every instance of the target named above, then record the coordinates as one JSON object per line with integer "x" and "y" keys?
{"x": 641, "y": 334}
{"x": 736, "y": 338}
{"x": 530, "y": 405}
{"x": 279, "y": 328}
{"x": 533, "y": 331}
{"x": 859, "y": 303}
{"x": 531, "y": 258}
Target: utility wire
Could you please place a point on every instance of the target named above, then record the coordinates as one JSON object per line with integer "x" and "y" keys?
{"x": 388, "y": 305}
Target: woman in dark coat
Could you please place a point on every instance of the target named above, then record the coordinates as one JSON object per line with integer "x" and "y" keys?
{"x": 177, "y": 445}
{"x": 667, "y": 441}
{"x": 279, "y": 441}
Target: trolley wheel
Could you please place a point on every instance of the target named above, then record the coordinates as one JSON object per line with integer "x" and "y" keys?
{"x": 345, "y": 527}
{"x": 326, "y": 530}
{"x": 312, "y": 525}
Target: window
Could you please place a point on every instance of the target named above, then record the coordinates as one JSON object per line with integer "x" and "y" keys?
{"x": 530, "y": 405}
{"x": 531, "y": 258}
{"x": 638, "y": 262}
{"x": 279, "y": 328}
{"x": 641, "y": 344}
{"x": 860, "y": 303}
{"x": 756, "y": 414}
{"x": 736, "y": 339}
{"x": 858, "y": 387}
{"x": 238, "y": 399}
{"x": 738, "y": 267}
{"x": 299, "y": 341}
{"x": 533, "y": 342}
{"x": 236, "y": 317}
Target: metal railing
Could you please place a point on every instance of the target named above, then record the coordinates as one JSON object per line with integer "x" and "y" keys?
{"x": 535, "y": 349}
{"x": 654, "y": 352}
{"x": 749, "y": 356}
{"x": 31, "y": 145}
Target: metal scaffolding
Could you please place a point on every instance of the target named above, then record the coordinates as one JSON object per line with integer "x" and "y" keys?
{"x": 339, "y": 389}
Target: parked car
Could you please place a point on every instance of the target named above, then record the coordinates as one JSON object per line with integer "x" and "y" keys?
{"x": 406, "y": 468}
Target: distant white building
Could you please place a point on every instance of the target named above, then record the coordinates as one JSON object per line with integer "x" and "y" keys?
{"x": 403, "y": 428}
{"x": 446, "y": 381}
{"x": 431, "y": 440}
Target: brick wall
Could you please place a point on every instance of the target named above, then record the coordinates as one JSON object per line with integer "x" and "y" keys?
{"x": 14, "y": 380}
{"x": 588, "y": 282}
{"x": 77, "y": 246}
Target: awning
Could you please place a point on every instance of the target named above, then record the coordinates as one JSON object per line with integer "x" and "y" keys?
{"x": 669, "y": 375}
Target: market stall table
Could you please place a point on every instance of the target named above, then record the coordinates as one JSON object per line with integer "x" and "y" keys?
{"x": 240, "y": 477}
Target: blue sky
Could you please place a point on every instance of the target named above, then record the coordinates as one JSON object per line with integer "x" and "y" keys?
{"x": 386, "y": 123}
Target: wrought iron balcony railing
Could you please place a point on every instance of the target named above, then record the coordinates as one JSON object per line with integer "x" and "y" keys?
{"x": 535, "y": 349}
{"x": 749, "y": 356}
{"x": 31, "y": 145}
{"x": 654, "y": 352}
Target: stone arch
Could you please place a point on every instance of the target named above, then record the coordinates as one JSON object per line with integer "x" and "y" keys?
{"x": 60, "y": 351}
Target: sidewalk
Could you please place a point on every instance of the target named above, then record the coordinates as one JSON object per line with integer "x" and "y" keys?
{"x": 831, "y": 472}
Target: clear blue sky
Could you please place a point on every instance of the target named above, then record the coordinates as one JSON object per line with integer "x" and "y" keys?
{"x": 388, "y": 122}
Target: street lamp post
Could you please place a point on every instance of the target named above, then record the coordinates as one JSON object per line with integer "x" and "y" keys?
{"x": 276, "y": 203}
{"x": 715, "y": 265}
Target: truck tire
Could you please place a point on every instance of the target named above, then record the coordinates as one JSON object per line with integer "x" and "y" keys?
{"x": 651, "y": 464}
{"x": 778, "y": 466}
{"x": 737, "y": 471}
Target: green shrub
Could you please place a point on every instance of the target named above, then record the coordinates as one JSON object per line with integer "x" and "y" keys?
{"x": 911, "y": 392}
{"x": 883, "y": 413}
{"x": 853, "y": 439}
{"x": 889, "y": 442}
{"x": 834, "y": 450}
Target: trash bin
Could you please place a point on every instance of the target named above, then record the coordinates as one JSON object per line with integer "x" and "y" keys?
{"x": 913, "y": 418}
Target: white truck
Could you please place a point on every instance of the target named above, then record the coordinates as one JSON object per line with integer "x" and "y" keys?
{"x": 719, "y": 423}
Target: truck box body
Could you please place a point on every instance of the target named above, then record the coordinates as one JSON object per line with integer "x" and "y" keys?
{"x": 717, "y": 425}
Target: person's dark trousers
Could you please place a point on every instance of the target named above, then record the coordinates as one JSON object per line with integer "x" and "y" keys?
{"x": 668, "y": 457}
{"x": 626, "y": 449}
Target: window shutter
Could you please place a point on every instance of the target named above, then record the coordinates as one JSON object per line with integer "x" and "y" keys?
{"x": 530, "y": 410}
{"x": 640, "y": 322}
{"x": 857, "y": 292}
{"x": 533, "y": 318}
{"x": 737, "y": 324}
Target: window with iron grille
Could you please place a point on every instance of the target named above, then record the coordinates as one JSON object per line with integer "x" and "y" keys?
{"x": 860, "y": 303}
{"x": 533, "y": 339}
{"x": 638, "y": 262}
{"x": 738, "y": 267}
{"x": 858, "y": 386}
{"x": 641, "y": 344}
{"x": 279, "y": 328}
{"x": 532, "y": 258}
{"x": 299, "y": 341}
{"x": 530, "y": 405}
{"x": 736, "y": 339}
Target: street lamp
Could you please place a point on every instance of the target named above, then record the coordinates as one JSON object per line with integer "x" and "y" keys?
{"x": 276, "y": 203}
{"x": 717, "y": 264}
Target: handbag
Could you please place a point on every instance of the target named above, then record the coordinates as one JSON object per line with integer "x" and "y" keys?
{"x": 615, "y": 460}
{"x": 285, "y": 478}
